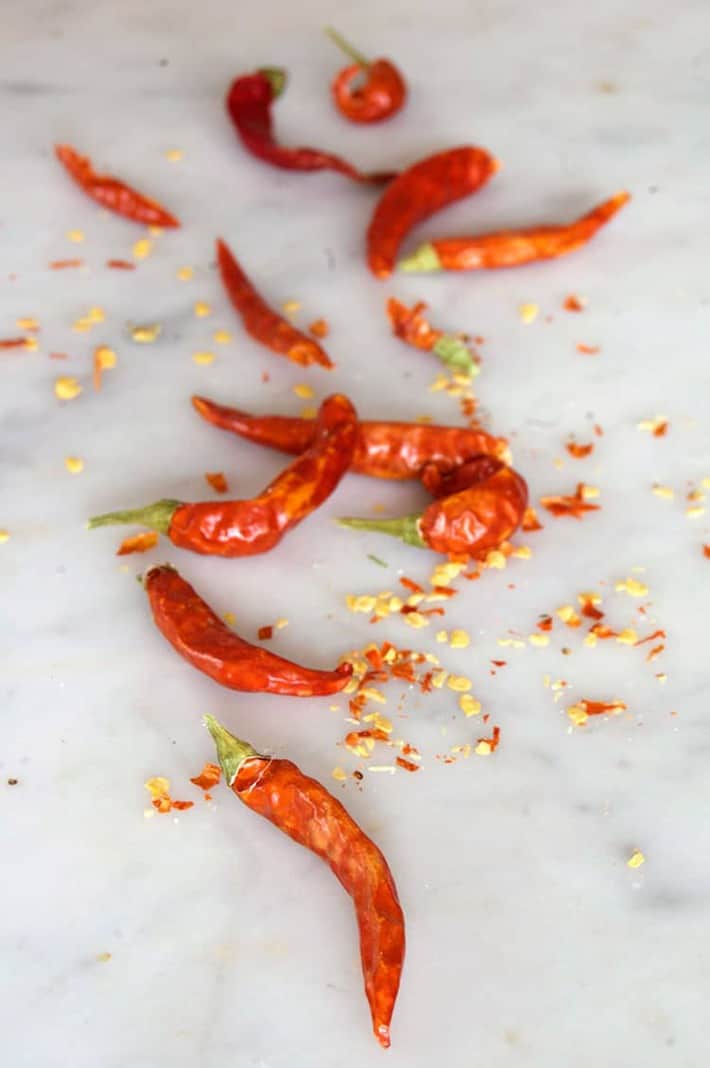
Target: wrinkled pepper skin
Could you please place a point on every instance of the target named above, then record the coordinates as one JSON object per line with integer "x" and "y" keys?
{"x": 206, "y": 642}
{"x": 379, "y": 96}
{"x": 111, "y": 193}
{"x": 262, "y": 322}
{"x": 249, "y": 103}
{"x": 304, "y": 810}
{"x": 382, "y": 449}
{"x": 419, "y": 192}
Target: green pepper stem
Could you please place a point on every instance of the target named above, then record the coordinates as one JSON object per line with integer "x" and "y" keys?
{"x": 347, "y": 48}
{"x": 157, "y": 516}
{"x": 405, "y": 527}
{"x": 425, "y": 258}
{"x": 231, "y": 751}
{"x": 276, "y": 77}
{"x": 455, "y": 354}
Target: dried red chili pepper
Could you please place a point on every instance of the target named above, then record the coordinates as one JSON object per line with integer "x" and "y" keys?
{"x": 206, "y": 642}
{"x": 249, "y": 103}
{"x": 511, "y": 248}
{"x": 264, "y": 324}
{"x": 304, "y": 810}
{"x": 378, "y": 97}
{"x": 111, "y": 193}
{"x": 417, "y": 193}
{"x": 480, "y": 504}
{"x": 243, "y": 528}
{"x": 411, "y": 326}
{"x": 382, "y": 450}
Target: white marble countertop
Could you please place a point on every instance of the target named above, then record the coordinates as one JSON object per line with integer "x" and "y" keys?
{"x": 530, "y": 940}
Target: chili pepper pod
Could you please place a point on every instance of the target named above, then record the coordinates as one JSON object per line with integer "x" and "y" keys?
{"x": 419, "y": 192}
{"x": 512, "y": 248}
{"x": 380, "y": 96}
{"x": 244, "y": 528}
{"x": 206, "y": 642}
{"x": 410, "y": 325}
{"x": 304, "y": 810}
{"x": 264, "y": 324}
{"x": 479, "y": 506}
{"x": 249, "y": 103}
{"x": 382, "y": 449}
{"x": 111, "y": 193}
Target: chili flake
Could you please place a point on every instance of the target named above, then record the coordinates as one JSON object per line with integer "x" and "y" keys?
{"x": 588, "y": 350}
{"x": 574, "y": 505}
{"x": 579, "y": 451}
{"x": 208, "y": 777}
{"x": 105, "y": 359}
{"x": 486, "y": 746}
{"x": 67, "y": 388}
{"x": 695, "y": 511}
{"x": 658, "y": 426}
{"x": 636, "y": 859}
{"x": 319, "y": 328}
{"x": 530, "y": 521}
{"x": 459, "y": 639}
{"x": 706, "y": 551}
{"x": 469, "y": 705}
{"x": 217, "y": 481}
{"x": 159, "y": 790}
{"x": 573, "y": 303}
{"x": 265, "y": 633}
{"x": 339, "y": 774}
{"x": 121, "y": 265}
{"x": 138, "y": 543}
{"x": 146, "y": 335}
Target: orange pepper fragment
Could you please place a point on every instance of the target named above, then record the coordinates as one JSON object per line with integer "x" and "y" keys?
{"x": 579, "y": 451}
{"x": 138, "y": 543}
{"x": 319, "y": 328}
{"x": 706, "y": 551}
{"x": 573, "y": 303}
{"x": 574, "y": 505}
{"x": 60, "y": 265}
{"x": 208, "y": 777}
{"x": 530, "y": 521}
{"x": 217, "y": 481}
{"x": 407, "y": 765}
{"x": 588, "y": 350}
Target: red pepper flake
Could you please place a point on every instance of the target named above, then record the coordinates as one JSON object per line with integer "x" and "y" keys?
{"x": 138, "y": 543}
{"x": 407, "y": 765}
{"x": 651, "y": 637}
{"x": 410, "y": 750}
{"x": 485, "y": 746}
{"x": 499, "y": 663}
{"x": 208, "y": 777}
{"x": 656, "y": 651}
{"x": 600, "y": 708}
{"x": 14, "y": 342}
{"x": 411, "y": 585}
{"x": 545, "y": 623}
{"x": 598, "y": 430}
{"x": 121, "y": 265}
{"x": 589, "y": 609}
{"x": 661, "y": 429}
{"x": 217, "y": 481}
{"x": 265, "y": 633}
{"x": 58, "y": 356}
{"x": 602, "y": 631}
{"x": 319, "y": 328}
{"x": 573, "y": 303}
{"x": 374, "y": 657}
{"x": 159, "y": 790}
{"x": 62, "y": 265}
{"x": 579, "y": 451}
{"x": 530, "y": 521}
{"x": 706, "y": 551}
{"x": 569, "y": 505}
{"x": 588, "y": 350}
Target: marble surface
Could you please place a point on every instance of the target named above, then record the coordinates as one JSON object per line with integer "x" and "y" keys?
{"x": 530, "y": 940}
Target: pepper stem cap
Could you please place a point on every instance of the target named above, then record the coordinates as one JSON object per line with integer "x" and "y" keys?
{"x": 157, "y": 516}
{"x": 425, "y": 258}
{"x": 405, "y": 527}
{"x": 231, "y": 751}
{"x": 346, "y": 47}
{"x": 276, "y": 77}
{"x": 456, "y": 354}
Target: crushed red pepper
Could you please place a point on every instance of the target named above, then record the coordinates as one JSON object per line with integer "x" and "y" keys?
{"x": 266, "y": 633}
{"x": 121, "y": 265}
{"x": 138, "y": 543}
{"x": 574, "y": 505}
{"x": 208, "y": 777}
{"x": 578, "y": 451}
{"x": 217, "y": 481}
{"x": 588, "y": 350}
{"x": 63, "y": 265}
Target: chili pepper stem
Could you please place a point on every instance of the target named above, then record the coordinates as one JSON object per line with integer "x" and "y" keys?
{"x": 424, "y": 259}
{"x": 156, "y": 516}
{"x": 405, "y": 527}
{"x": 231, "y": 751}
{"x": 455, "y": 354}
{"x": 276, "y": 77}
{"x": 346, "y": 47}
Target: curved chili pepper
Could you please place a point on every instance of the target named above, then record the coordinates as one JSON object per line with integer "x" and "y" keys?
{"x": 243, "y": 528}
{"x": 304, "y": 810}
{"x": 264, "y": 324}
{"x": 382, "y": 450}
{"x": 417, "y": 193}
{"x": 512, "y": 248}
{"x": 206, "y": 642}
{"x": 410, "y": 325}
{"x": 479, "y": 506}
{"x": 112, "y": 194}
{"x": 382, "y": 93}
{"x": 249, "y": 103}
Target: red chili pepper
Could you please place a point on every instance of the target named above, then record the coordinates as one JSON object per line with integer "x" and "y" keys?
{"x": 112, "y": 194}
{"x": 410, "y": 325}
{"x": 382, "y": 93}
{"x": 480, "y": 504}
{"x": 243, "y": 528}
{"x": 249, "y": 103}
{"x": 417, "y": 193}
{"x": 264, "y": 324}
{"x": 511, "y": 248}
{"x": 382, "y": 450}
{"x": 206, "y": 642}
{"x": 304, "y": 810}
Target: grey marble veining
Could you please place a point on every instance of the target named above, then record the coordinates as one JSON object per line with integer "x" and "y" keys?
{"x": 530, "y": 940}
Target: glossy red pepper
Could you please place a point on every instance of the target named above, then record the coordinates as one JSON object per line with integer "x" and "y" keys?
{"x": 111, "y": 193}
{"x": 243, "y": 528}
{"x": 249, "y": 103}
{"x": 378, "y": 97}
{"x": 304, "y": 810}
{"x": 417, "y": 193}
{"x": 479, "y": 505}
{"x": 206, "y": 642}
{"x": 382, "y": 450}
{"x": 411, "y": 326}
{"x": 512, "y": 248}
{"x": 264, "y": 324}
